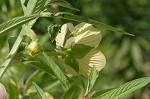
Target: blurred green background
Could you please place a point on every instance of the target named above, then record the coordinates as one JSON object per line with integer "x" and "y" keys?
{"x": 128, "y": 57}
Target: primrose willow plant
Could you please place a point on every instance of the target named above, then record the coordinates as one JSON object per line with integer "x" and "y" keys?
{"x": 80, "y": 44}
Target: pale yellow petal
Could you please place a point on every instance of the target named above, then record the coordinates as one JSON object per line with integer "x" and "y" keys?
{"x": 70, "y": 27}
{"x": 60, "y": 38}
{"x": 93, "y": 58}
{"x": 91, "y": 37}
{"x": 81, "y": 28}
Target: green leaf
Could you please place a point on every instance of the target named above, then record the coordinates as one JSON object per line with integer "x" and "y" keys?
{"x": 92, "y": 78}
{"x": 80, "y": 50}
{"x": 69, "y": 16}
{"x": 63, "y": 3}
{"x": 73, "y": 92}
{"x": 13, "y": 23}
{"x": 35, "y": 6}
{"x": 57, "y": 71}
{"x": 98, "y": 93}
{"x": 125, "y": 88}
{"x": 40, "y": 92}
{"x": 38, "y": 61}
{"x": 71, "y": 61}
{"x": 13, "y": 91}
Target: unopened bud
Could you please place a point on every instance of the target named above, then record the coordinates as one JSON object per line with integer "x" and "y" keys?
{"x": 49, "y": 96}
{"x": 33, "y": 47}
{"x": 2, "y": 92}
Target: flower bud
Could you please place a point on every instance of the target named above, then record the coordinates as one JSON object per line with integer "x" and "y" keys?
{"x": 2, "y": 92}
{"x": 49, "y": 96}
{"x": 33, "y": 47}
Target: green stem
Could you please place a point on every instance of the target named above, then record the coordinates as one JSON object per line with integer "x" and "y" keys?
{"x": 11, "y": 55}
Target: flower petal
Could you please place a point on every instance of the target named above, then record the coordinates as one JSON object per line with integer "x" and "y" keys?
{"x": 60, "y": 38}
{"x": 70, "y": 27}
{"x": 81, "y": 28}
{"x": 90, "y": 37}
{"x": 93, "y": 58}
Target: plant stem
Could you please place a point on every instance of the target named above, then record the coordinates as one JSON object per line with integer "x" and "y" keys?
{"x": 11, "y": 55}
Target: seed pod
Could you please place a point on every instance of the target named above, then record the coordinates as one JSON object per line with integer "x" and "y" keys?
{"x": 2, "y": 92}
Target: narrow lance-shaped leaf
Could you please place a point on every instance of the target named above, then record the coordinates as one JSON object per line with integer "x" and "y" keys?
{"x": 35, "y": 6}
{"x": 40, "y": 92}
{"x": 13, "y": 23}
{"x": 13, "y": 91}
{"x": 62, "y": 3}
{"x": 98, "y": 93}
{"x": 69, "y": 16}
{"x": 125, "y": 88}
{"x": 38, "y": 62}
{"x": 57, "y": 71}
{"x": 92, "y": 78}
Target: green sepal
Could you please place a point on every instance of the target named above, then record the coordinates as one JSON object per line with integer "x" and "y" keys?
{"x": 80, "y": 50}
{"x": 71, "y": 61}
{"x": 27, "y": 31}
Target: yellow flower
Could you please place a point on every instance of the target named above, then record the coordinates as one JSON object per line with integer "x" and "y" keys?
{"x": 81, "y": 42}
